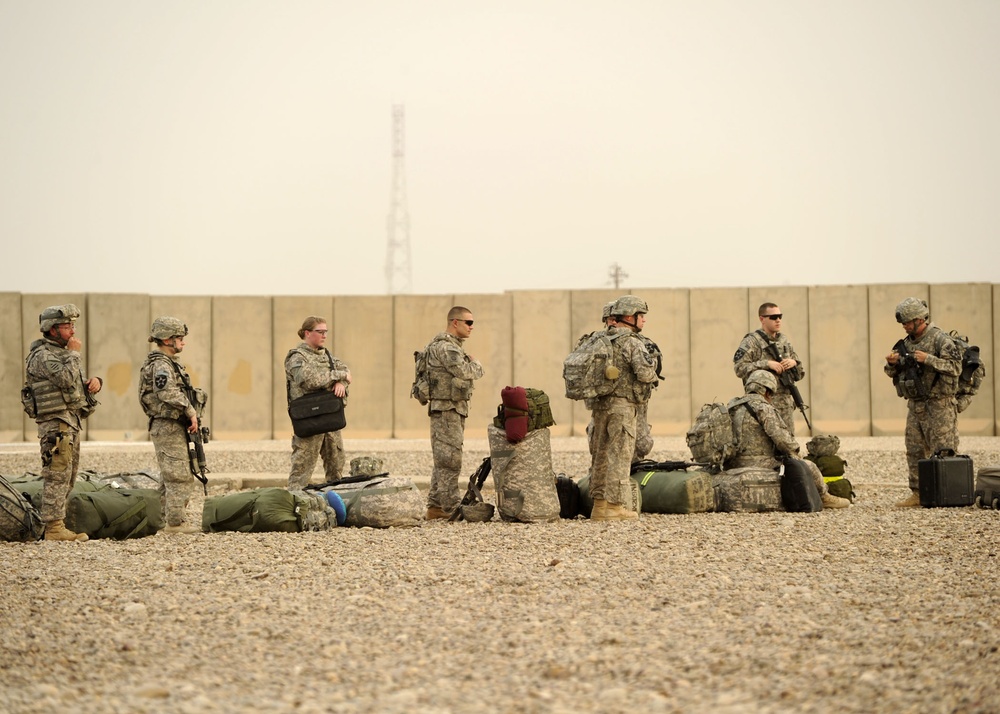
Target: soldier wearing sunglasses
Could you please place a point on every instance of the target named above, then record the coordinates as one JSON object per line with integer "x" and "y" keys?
{"x": 761, "y": 349}
{"x": 451, "y": 373}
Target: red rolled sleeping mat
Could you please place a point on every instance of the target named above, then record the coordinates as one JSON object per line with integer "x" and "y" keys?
{"x": 515, "y": 408}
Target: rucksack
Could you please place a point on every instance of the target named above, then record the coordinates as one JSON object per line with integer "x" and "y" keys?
{"x": 973, "y": 370}
{"x": 711, "y": 437}
{"x": 19, "y": 519}
{"x": 421, "y": 389}
{"x": 523, "y": 409}
{"x": 589, "y": 370}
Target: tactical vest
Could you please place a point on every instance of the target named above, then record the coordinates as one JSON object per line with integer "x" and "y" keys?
{"x": 156, "y": 408}
{"x": 50, "y": 398}
{"x": 443, "y": 385}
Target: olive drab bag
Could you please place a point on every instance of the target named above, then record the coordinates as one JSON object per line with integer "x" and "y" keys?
{"x": 262, "y": 510}
{"x": 711, "y": 437}
{"x": 589, "y": 371}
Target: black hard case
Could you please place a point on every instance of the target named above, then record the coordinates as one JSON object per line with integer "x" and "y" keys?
{"x": 988, "y": 487}
{"x": 945, "y": 480}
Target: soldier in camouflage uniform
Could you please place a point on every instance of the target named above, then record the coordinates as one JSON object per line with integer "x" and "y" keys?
{"x": 755, "y": 353}
{"x": 173, "y": 406}
{"x": 63, "y": 398}
{"x": 762, "y": 436}
{"x": 311, "y": 368}
{"x": 450, "y": 373}
{"x": 609, "y": 321}
{"x": 614, "y": 415}
{"x": 643, "y": 433}
{"x": 928, "y": 380}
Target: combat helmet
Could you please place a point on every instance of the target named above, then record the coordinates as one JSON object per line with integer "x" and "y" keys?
{"x": 606, "y": 312}
{"x": 164, "y": 328}
{"x": 628, "y": 305}
{"x": 760, "y": 380}
{"x": 57, "y": 315}
{"x": 910, "y": 309}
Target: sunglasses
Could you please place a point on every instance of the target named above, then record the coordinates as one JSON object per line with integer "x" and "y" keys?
{"x": 773, "y": 317}
{"x": 467, "y": 322}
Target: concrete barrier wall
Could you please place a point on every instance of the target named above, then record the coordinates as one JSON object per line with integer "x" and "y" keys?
{"x": 236, "y": 347}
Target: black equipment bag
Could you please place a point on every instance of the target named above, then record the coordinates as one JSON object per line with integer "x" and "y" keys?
{"x": 799, "y": 493}
{"x": 569, "y": 496}
{"x": 317, "y": 413}
{"x": 988, "y": 487}
{"x": 945, "y": 479}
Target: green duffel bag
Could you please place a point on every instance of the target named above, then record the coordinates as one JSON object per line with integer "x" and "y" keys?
{"x": 633, "y": 499}
{"x": 32, "y": 488}
{"x": 676, "y": 491}
{"x": 262, "y": 510}
{"x": 114, "y": 512}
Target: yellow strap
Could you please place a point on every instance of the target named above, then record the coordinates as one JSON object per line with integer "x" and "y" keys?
{"x": 831, "y": 479}
{"x": 645, "y": 479}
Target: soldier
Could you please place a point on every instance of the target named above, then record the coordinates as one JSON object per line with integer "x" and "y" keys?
{"x": 925, "y": 366}
{"x": 174, "y": 407}
{"x": 63, "y": 397}
{"x": 761, "y": 434}
{"x": 643, "y": 434}
{"x": 450, "y": 373}
{"x": 614, "y": 415}
{"x": 756, "y": 352}
{"x": 311, "y": 368}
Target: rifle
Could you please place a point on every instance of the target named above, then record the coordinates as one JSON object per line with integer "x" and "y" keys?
{"x": 908, "y": 367}
{"x": 647, "y": 465}
{"x": 196, "y": 454}
{"x": 789, "y": 382}
{"x": 473, "y": 498}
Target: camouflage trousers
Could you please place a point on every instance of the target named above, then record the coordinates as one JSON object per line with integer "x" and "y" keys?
{"x": 306, "y": 451}
{"x": 931, "y": 425}
{"x": 643, "y": 434}
{"x": 176, "y": 479}
{"x": 60, "y": 447}
{"x": 614, "y": 444}
{"x": 447, "y": 437}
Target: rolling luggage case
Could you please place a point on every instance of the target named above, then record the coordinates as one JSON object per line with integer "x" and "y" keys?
{"x": 988, "y": 487}
{"x": 945, "y": 480}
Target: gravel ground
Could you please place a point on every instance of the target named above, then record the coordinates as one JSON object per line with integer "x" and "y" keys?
{"x": 864, "y": 609}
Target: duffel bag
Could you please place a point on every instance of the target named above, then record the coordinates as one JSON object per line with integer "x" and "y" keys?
{"x": 676, "y": 491}
{"x": 262, "y": 510}
{"x": 114, "y": 513}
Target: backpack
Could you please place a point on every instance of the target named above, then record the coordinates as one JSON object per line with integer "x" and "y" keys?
{"x": 421, "y": 389}
{"x": 711, "y": 437}
{"x": 523, "y": 409}
{"x": 589, "y": 370}
{"x": 973, "y": 370}
{"x": 19, "y": 519}
{"x": 523, "y": 478}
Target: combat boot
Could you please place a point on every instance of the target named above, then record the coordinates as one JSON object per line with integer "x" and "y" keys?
{"x": 615, "y": 512}
{"x": 182, "y": 529}
{"x": 831, "y": 501}
{"x": 598, "y": 510}
{"x": 435, "y": 513}
{"x": 57, "y": 530}
{"x": 911, "y": 501}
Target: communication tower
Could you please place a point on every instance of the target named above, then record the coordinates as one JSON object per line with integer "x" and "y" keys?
{"x": 398, "y": 275}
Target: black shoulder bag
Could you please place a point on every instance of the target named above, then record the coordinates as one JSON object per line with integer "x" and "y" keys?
{"x": 316, "y": 412}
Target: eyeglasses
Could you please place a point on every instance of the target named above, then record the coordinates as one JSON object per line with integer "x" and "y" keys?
{"x": 467, "y": 322}
{"x": 773, "y": 317}
{"x": 320, "y": 332}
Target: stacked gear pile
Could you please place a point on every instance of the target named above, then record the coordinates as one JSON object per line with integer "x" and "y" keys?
{"x": 522, "y": 410}
{"x": 822, "y": 451}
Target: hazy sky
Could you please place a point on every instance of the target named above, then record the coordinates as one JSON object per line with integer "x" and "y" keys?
{"x": 243, "y": 147}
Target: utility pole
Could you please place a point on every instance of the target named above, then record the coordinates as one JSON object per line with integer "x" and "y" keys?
{"x": 398, "y": 274}
{"x": 617, "y": 275}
